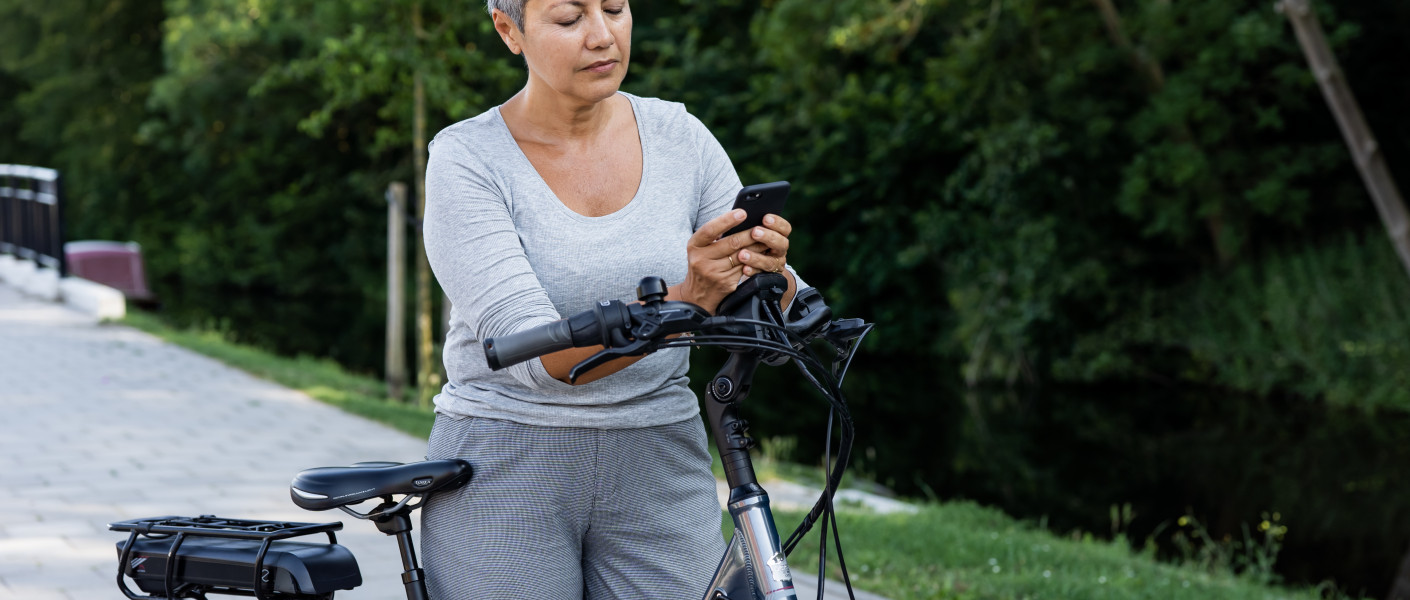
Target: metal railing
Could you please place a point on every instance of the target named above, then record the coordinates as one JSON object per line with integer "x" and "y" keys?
{"x": 32, "y": 216}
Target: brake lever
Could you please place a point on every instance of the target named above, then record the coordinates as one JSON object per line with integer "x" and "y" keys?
{"x": 636, "y": 347}
{"x": 845, "y": 335}
{"x": 808, "y": 316}
{"x": 649, "y": 322}
{"x": 651, "y": 325}
{"x": 845, "y": 330}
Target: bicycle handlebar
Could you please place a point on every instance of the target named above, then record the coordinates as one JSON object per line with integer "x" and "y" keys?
{"x": 635, "y": 329}
{"x": 624, "y": 329}
{"x": 587, "y": 328}
{"x": 518, "y": 347}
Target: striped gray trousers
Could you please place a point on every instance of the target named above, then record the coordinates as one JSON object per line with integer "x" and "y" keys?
{"x": 564, "y": 512}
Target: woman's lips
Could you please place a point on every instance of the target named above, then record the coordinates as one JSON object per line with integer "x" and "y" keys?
{"x": 601, "y": 66}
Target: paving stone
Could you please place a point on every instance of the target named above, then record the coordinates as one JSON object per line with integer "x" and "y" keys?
{"x": 51, "y": 528}
{"x": 104, "y": 592}
{"x": 16, "y": 569}
{"x": 33, "y": 591}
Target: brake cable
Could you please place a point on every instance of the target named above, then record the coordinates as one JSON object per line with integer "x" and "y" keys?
{"x": 831, "y": 390}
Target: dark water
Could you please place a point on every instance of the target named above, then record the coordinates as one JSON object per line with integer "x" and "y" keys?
{"x": 1336, "y": 478}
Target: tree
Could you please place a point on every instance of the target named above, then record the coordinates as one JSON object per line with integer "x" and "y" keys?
{"x": 82, "y": 70}
{"x": 1009, "y": 153}
{"x": 403, "y": 57}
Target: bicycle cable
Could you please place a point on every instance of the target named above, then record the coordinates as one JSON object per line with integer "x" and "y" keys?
{"x": 829, "y": 385}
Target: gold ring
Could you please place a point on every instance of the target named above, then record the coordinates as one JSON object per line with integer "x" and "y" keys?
{"x": 731, "y": 262}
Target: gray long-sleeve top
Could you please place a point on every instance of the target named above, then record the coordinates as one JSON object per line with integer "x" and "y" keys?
{"x": 511, "y": 256}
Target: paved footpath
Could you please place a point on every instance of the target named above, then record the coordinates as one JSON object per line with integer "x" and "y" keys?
{"x": 101, "y": 423}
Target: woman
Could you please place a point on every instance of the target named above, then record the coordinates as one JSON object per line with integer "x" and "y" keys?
{"x": 569, "y": 193}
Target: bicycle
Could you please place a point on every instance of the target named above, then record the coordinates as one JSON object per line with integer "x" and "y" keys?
{"x": 191, "y": 557}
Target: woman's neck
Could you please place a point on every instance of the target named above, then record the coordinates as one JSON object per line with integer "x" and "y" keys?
{"x": 544, "y": 115}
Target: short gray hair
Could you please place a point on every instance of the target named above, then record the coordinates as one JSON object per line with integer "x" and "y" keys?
{"x": 513, "y": 8}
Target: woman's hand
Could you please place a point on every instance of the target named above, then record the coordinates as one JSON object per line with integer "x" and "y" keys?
{"x": 717, "y": 264}
{"x": 769, "y": 251}
{"x": 714, "y": 270}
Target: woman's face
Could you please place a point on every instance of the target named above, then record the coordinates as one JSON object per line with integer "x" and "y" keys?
{"x": 580, "y": 48}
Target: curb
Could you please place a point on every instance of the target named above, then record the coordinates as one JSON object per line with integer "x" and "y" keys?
{"x": 90, "y": 298}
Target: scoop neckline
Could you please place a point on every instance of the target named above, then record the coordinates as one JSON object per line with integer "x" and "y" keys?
{"x": 558, "y": 202}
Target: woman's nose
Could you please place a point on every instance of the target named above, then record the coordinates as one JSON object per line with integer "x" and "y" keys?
{"x": 599, "y": 35}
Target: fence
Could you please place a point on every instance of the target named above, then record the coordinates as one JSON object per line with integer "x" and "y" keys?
{"x": 31, "y": 216}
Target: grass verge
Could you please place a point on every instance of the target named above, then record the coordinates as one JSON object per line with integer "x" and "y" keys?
{"x": 959, "y": 550}
{"x": 321, "y": 379}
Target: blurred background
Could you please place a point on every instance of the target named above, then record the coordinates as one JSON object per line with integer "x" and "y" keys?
{"x": 1123, "y": 266}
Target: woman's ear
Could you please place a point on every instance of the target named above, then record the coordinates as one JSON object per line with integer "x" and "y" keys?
{"x": 508, "y": 31}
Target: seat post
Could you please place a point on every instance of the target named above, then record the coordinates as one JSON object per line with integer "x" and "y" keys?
{"x": 412, "y": 577}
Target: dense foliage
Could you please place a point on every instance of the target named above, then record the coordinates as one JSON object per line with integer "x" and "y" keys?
{"x": 993, "y": 182}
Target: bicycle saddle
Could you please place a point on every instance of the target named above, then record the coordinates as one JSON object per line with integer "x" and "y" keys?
{"x": 323, "y": 488}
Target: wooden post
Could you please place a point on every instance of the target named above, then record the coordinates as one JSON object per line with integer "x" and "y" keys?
{"x": 1364, "y": 149}
{"x": 396, "y": 290}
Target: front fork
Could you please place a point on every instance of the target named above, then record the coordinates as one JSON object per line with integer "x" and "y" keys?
{"x": 754, "y": 566}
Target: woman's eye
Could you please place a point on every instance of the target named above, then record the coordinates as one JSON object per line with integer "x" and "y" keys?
{"x": 569, "y": 22}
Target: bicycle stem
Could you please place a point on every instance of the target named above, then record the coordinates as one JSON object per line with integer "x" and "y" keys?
{"x": 729, "y": 387}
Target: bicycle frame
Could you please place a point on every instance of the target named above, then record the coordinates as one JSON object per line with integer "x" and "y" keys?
{"x": 754, "y": 566}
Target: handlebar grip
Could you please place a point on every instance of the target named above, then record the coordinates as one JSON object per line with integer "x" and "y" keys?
{"x": 518, "y": 347}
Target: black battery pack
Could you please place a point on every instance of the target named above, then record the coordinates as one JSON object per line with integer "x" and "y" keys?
{"x": 219, "y": 561}
{"x": 296, "y": 569}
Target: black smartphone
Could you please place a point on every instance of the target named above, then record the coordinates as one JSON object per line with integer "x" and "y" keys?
{"x": 757, "y": 201}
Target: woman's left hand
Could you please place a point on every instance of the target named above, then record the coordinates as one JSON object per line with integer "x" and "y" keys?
{"x": 768, "y": 250}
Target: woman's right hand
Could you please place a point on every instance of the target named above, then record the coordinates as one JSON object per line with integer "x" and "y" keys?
{"x": 714, "y": 271}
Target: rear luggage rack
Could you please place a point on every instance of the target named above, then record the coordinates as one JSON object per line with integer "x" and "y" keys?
{"x": 189, "y": 557}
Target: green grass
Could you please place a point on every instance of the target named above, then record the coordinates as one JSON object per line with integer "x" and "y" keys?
{"x": 959, "y": 550}
{"x": 321, "y": 379}
{"x": 954, "y": 550}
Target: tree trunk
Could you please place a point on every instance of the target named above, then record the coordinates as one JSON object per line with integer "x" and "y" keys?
{"x": 428, "y": 380}
{"x": 1370, "y": 162}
